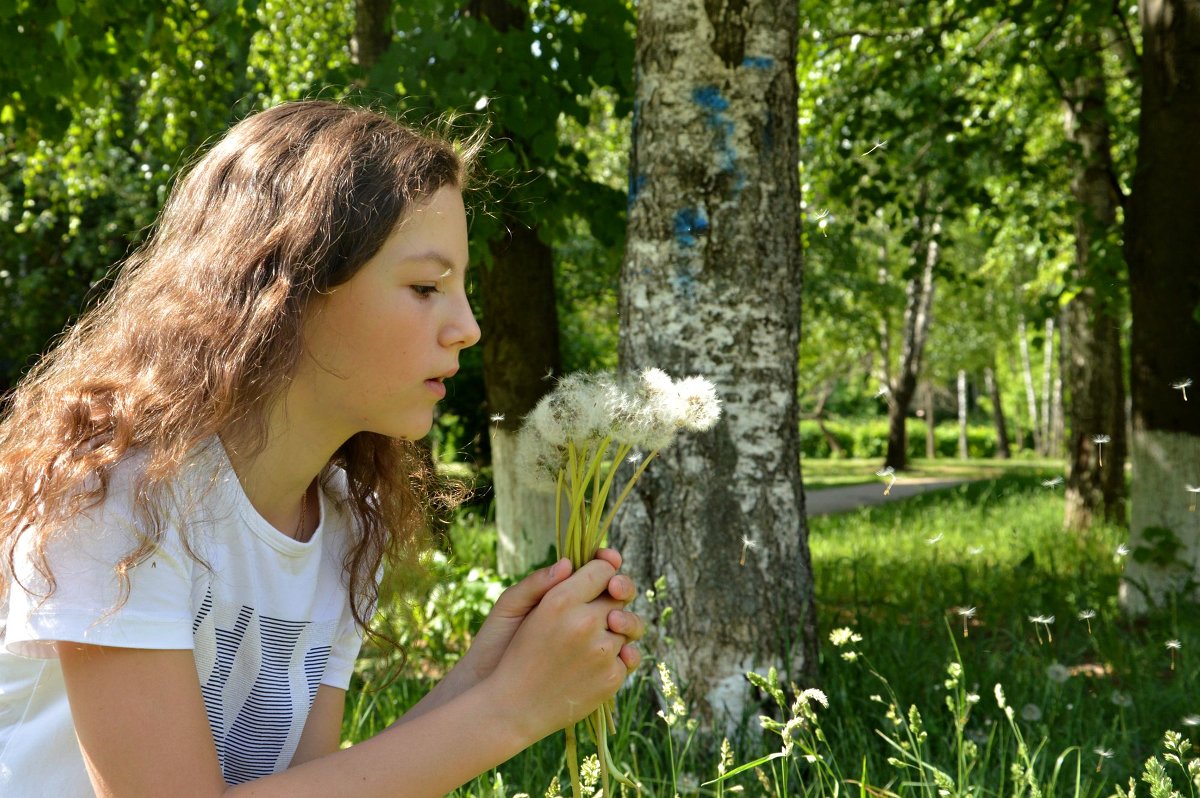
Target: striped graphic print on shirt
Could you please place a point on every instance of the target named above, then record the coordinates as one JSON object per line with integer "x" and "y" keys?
{"x": 259, "y": 676}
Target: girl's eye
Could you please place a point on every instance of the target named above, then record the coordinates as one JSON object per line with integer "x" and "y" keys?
{"x": 425, "y": 291}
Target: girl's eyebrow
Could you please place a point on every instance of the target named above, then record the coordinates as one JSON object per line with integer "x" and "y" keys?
{"x": 436, "y": 257}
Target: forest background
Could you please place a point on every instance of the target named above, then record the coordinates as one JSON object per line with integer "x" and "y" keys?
{"x": 975, "y": 282}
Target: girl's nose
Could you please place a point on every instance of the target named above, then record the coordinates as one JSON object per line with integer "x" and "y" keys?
{"x": 463, "y": 330}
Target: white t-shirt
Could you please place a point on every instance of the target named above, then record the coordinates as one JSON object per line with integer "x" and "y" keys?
{"x": 268, "y": 620}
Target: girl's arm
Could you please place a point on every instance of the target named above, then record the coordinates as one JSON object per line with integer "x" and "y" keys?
{"x": 140, "y": 719}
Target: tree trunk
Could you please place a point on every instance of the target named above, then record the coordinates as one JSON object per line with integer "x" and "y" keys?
{"x": 930, "y": 425}
{"x": 918, "y": 308}
{"x": 712, "y": 270}
{"x": 964, "y": 450}
{"x": 1003, "y": 451}
{"x": 1030, "y": 395}
{"x": 372, "y": 32}
{"x": 1095, "y": 380}
{"x": 1162, "y": 239}
{"x": 1047, "y": 380}
{"x": 520, "y": 349}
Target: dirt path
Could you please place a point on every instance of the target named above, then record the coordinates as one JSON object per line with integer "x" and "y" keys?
{"x": 851, "y": 497}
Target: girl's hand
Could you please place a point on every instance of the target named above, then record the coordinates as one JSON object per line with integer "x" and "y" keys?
{"x": 563, "y": 660}
{"x": 516, "y": 602}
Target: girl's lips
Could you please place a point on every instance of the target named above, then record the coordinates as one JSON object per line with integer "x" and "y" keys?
{"x": 437, "y": 387}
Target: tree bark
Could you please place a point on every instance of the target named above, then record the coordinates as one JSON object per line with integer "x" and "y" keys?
{"x": 964, "y": 450}
{"x": 1095, "y": 485}
{"x": 710, "y": 285}
{"x": 1003, "y": 451}
{"x": 1162, "y": 239}
{"x": 1047, "y": 380}
{"x": 918, "y": 309}
{"x": 1027, "y": 375}
{"x": 372, "y": 32}
{"x": 520, "y": 352}
{"x": 930, "y": 425}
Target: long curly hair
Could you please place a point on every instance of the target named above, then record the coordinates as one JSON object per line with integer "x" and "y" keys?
{"x": 202, "y": 329}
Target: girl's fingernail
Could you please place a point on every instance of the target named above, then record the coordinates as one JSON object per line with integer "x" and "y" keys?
{"x": 557, "y": 569}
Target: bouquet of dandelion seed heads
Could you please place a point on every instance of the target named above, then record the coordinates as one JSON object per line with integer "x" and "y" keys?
{"x": 577, "y": 438}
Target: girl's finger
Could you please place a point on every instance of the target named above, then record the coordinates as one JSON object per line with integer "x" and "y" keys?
{"x": 628, "y": 624}
{"x": 630, "y": 656}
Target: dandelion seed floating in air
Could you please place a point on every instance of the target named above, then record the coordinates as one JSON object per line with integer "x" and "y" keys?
{"x": 1057, "y": 673}
{"x": 1102, "y": 754}
{"x": 936, "y": 539}
{"x": 1039, "y": 621}
{"x": 883, "y": 391}
{"x": 1191, "y": 720}
{"x": 748, "y": 544}
{"x": 823, "y": 221}
{"x": 1100, "y": 440}
{"x": 966, "y": 613}
{"x": 888, "y": 473}
{"x": 975, "y": 551}
{"x": 878, "y": 146}
{"x": 1183, "y": 385}
{"x": 1122, "y": 551}
{"x": 1193, "y": 489}
{"x": 1086, "y": 616}
{"x": 1173, "y": 646}
{"x": 497, "y": 418}
{"x": 1052, "y": 483}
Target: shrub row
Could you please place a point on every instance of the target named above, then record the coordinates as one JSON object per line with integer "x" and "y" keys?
{"x": 859, "y": 438}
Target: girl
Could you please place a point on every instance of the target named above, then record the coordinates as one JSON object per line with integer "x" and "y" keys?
{"x": 200, "y": 485}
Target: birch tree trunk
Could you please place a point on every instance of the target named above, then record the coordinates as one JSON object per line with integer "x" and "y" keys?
{"x": 918, "y": 310}
{"x": 1095, "y": 485}
{"x": 1047, "y": 379}
{"x": 964, "y": 450}
{"x": 1162, "y": 239}
{"x": 930, "y": 429}
{"x": 710, "y": 285}
{"x": 1030, "y": 395}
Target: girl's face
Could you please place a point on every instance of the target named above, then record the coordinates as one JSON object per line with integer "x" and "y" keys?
{"x": 379, "y": 346}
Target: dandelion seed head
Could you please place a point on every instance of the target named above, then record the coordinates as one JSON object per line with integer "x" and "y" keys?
{"x": 1087, "y": 615}
{"x": 1183, "y": 384}
{"x": 1057, "y": 673}
{"x": 497, "y": 418}
{"x": 1045, "y": 620}
{"x": 749, "y": 542}
{"x": 1103, "y": 753}
{"x": 1120, "y": 699}
{"x": 1173, "y": 645}
{"x": 1031, "y": 713}
{"x": 1101, "y": 439}
{"x": 1122, "y": 550}
{"x": 966, "y": 612}
{"x": 702, "y": 407}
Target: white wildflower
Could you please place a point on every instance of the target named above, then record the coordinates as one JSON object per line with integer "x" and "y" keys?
{"x": 999, "y": 691}
{"x": 844, "y": 635}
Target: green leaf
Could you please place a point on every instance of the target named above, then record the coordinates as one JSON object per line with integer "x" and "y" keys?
{"x": 745, "y": 767}
{"x": 66, "y": 7}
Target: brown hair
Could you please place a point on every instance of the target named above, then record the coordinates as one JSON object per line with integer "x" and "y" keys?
{"x": 202, "y": 329}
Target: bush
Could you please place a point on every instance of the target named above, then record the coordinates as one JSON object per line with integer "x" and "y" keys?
{"x": 867, "y": 438}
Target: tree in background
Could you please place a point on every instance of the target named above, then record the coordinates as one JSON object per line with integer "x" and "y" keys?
{"x": 1162, "y": 239}
{"x": 711, "y": 286}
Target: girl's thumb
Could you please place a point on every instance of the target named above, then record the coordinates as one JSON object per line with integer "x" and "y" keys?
{"x": 524, "y": 596}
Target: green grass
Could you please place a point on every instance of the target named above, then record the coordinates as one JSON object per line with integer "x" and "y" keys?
{"x": 898, "y": 574}
{"x": 829, "y": 473}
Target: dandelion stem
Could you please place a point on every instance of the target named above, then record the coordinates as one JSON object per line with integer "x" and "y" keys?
{"x": 624, "y": 493}
{"x": 573, "y": 762}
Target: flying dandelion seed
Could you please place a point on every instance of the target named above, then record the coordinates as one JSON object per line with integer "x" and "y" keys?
{"x": 1193, "y": 489}
{"x": 1183, "y": 385}
{"x": 1052, "y": 483}
{"x": 634, "y": 458}
{"x": 1100, "y": 440}
{"x": 748, "y": 544}
{"x": 1102, "y": 754}
{"x": 1191, "y": 720}
{"x": 1122, "y": 700}
{"x": 966, "y": 613}
{"x": 883, "y": 391}
{"x": 1038, "y": 622}
{"x": 1086, "y": 616}
{"x": 823, "y": 221}
{"x": 1058, "y": 673}
{"x": 888, "y": 473}
{"x": 1173, "y": 646}
{"x": 975, "y": 551}
{"x": 936, "y": 539}
{"x": 1122, "y": 551}
{"x": 879, "y": 145}
{"x": 497, "y": 418}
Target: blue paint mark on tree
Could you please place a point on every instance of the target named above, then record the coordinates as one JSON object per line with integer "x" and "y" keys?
{"x": 758, "y": 62}
{"x": 689, "y": 223}
{"x": 710, "y": 98}
{"x": 636, "y": 184}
